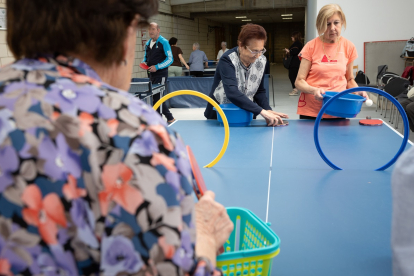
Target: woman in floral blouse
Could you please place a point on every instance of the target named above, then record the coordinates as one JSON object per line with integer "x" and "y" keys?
{"x": 91, "y": 180}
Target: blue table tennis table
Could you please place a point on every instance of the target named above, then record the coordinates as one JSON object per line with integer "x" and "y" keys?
{"x": 329, "y": 222}
{"x": 208, "y": 72}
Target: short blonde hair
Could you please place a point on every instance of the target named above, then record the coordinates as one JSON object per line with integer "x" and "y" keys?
{"x": 327, "y": 12}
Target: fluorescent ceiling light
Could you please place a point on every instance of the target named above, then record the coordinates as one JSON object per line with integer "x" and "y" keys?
{"x": 287, "y": 18}
{"x": 246, "y": 20}
{"x": 241, "y": 16}
{"x": 288, "y": 14}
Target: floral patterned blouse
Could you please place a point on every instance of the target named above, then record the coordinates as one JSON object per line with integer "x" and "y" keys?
{"x": 91, "y": 180}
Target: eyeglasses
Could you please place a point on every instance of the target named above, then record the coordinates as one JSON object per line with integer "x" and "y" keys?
{"x": 256, "y": 52}
{"x": 336, "y": 23}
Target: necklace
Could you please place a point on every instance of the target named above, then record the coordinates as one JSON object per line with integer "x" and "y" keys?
{"x": 337, "y": 50}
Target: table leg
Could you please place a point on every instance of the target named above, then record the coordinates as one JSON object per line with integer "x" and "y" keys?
{"x": 273, "y": 91}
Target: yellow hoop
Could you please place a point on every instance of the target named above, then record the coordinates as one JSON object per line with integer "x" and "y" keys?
{"x": 213, "y": 103}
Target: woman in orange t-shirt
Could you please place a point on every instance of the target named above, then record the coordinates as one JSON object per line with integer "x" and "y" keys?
{"x": 326, "y": 64}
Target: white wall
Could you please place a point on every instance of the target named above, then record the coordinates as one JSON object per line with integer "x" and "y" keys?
{"x": 6, "y": 56}
{"x": 311, "y": 13}
{"x": 369, "y": 20}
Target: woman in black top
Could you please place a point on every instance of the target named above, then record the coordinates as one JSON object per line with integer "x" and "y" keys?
{"x": 294, "y": 51}
{"x": 239, "y": 77}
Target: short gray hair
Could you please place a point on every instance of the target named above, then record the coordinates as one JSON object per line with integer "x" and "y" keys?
{"x": 225, "y": 43}
{"x": 196, "y": 45}
{"x": 156, "y": 24}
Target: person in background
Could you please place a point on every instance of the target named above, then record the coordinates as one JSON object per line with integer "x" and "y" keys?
{"x": 294, "y": 51}
{"x": 402, "y": 234}
{"x": 267, "y": 67}
{"x": 239, "y": 77}
{"x": 222, "y": 50}
{"x": 326, "y": 63}
{"x": 198, "y": 60}
{"x": 158, "y": 57}
{"x": 92, "y": 181}
{"x": 175, "y": 69}
{"x": 408, "y": 105}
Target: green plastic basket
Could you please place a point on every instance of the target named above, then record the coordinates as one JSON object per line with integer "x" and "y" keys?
{"x": 251, "y": 246}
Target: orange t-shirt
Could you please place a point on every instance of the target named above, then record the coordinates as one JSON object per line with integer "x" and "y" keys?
{"x": 326, "y": 72}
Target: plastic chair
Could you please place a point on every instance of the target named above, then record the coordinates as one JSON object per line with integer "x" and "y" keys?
{"x": 382, "y": 69}
{"x": 396, "y": 87}
{"x": 362, "y": 80}
{"x": 386, "y": 79}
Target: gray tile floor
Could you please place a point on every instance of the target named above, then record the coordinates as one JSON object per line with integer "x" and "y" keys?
{"x": 284, "y": 103}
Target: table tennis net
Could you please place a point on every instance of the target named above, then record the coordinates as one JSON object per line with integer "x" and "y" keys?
{"x": 137, "y": 87}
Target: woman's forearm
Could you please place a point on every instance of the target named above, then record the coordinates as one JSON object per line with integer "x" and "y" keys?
{"x": 351, "y": 84}
{"x": 303, "y": 86}
{"x": 300, "y": 82}
{"x": 206, "y": 247}
{"x": 183, "y": 61}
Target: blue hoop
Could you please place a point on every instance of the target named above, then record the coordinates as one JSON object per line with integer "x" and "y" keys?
{"x": 358, "y": 89}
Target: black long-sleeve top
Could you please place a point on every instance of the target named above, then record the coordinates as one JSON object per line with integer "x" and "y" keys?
{"x": 294, "y": 51}
{"x": 230, "y": 86}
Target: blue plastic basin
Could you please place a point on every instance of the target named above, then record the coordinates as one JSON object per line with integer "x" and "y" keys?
{"x": 235, "y": 115}
{"x": 347, "y": 106}
{"x": 211, "y": 62}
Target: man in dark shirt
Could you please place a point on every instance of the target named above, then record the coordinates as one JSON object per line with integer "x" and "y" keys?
{"x": 158, "y": 57}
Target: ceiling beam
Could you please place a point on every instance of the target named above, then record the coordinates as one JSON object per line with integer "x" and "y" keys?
{"x": 236, "y": 5}
{"x": 183, "y": 2}
{"x": 245, "y": 12}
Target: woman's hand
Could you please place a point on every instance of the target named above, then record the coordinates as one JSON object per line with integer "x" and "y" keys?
{"x": 318, "y": 93}
{"x": 213, "y": 226}
{"x": 280, "y": 114}
{"x": 273, "y": 118}
{"x": 286, "y": 50}
{"x": 363, "y": 94}
{"x": 188, "y": 67}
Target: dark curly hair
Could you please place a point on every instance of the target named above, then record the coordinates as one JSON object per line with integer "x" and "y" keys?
{"x": 173, "y": 41}
{"x": 96, "y": 28}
